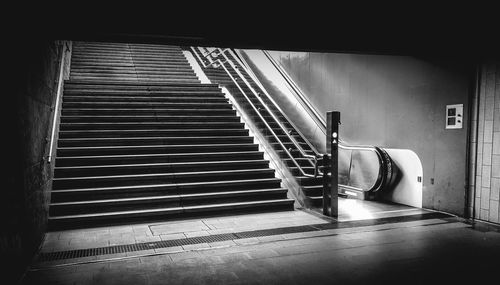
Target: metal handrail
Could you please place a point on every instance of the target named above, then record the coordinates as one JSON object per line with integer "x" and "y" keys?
{"x": 317, "y": 116}
{"x": 288, "y": 133}
{"x": 306, "y": 104}
{"x": 58, "y": 99}
{"x": 208, "y": 53}
{"x": 309, "y": 106}
{"x": 301, "y": 97}
{"x": 257, "y": 81}
{"x": 227, "y": 60}
{"x": 378, "y": 183}
{"x": 294, "y": 141}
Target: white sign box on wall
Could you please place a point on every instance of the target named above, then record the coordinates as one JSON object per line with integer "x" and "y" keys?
{"x": 454, "y": 116}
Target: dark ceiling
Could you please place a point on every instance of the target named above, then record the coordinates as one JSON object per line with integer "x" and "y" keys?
{"x": 423, "y": 32}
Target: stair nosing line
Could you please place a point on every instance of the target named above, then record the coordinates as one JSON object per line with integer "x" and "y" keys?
{"x": 270, "y": 179}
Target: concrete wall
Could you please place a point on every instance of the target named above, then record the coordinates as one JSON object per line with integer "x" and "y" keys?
{"x": 29, "y": 96}
{"x": 484, "y": 174}
{"x": 394, "y": 102}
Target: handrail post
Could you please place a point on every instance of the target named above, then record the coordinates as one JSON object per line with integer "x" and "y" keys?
{"x": 331, "y": 163}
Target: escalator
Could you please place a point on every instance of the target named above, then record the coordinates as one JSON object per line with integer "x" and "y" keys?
{"x": 364, "y": 171}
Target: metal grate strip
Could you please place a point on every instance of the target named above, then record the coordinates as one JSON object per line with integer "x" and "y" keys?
{"x": 79, "y": 253}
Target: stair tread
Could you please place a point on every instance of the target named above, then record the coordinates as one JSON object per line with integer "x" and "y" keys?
{"x": 145, "y": 155}
{"x": 147, "y": 130}
{"x": 172, "y": 209}
{"x": 159, "y": 164}
{"x": 163, "y": 174}
{"x": 155, "y": 146}
{"x": 150, "y": 123}
{"x": 167, "y": 185}
{"x": 145, "y": 103}
{"x": 162, "y": 197}
{"x": 138, "y": 83}
{"x": 150, "y": 109}
{"x": 146, "y": 138}
{"x": 313, "y": 187}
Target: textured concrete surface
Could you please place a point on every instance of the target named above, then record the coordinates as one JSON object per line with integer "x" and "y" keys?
{"x": 417, "y": 252}
{"x": 169, "y": 230}
{"x": 28, "y": 101}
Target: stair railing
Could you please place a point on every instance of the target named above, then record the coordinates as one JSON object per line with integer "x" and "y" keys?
{"x": 216, "y": 63}
{"x": 385, "y": 174}
{"x": 381, "y": 154}
{"x": 64, "y": 53}
{"x": 288, "y": 133}
{"x": 264, "y": 91}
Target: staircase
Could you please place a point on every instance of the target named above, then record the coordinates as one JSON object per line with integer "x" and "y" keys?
{"x": 311, "y": 187}
{"x": 141, "y": 139}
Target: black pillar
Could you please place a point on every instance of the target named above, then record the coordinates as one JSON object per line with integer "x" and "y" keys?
{"x": 331, "y": 164}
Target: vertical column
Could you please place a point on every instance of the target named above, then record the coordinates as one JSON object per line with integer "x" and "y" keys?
{"x": 331, "y": 162}
{"x": 487, "y": 168}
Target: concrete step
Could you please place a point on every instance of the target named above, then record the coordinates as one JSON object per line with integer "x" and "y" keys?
{"x": 146, "y": 119}
{"x": 316, "y": 190}
{"x": 165, "y": 75}
{"x": 84, "y": 91}
{"x": 174, "y": 200}
{"x": 133, "y": 79}
{"x": 79, "y": 54}
{"x": 145, "y": 141}
{"x": 144, "y": 111}
{"x": 99, "y": 60}
{"x": 148, "y": 125}
{"x": 112, "y": 70}
{"x": 121, "y": 52}
{"x": 314, "y": 201}
{"x": 85, "y": 194}
{"x": 147, "y": 168}
{"x": 157, "y": 158}
{"x": 150, "y": 99}
{"x": 152, "y": 132}
{"x": 146, "y": 105}
{"x": 159, "y": 178}
{"x": 114, "y": 85}
{"x": 71, "y": 221}
{"x": 153, "y": 149}
{"x": 136, "y": 77}
{"x": 309, "y": 181}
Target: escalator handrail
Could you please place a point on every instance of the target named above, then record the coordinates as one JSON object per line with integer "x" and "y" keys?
{"x": 294, "y": 141}
{"x": 298, "y": 92}
{"x": 381, "y": 154}
{"x": 259, "y": 84}
{"x": 384, "y": 169}
{"x": 227, "y": 60}
{"x": 308, "y": 105}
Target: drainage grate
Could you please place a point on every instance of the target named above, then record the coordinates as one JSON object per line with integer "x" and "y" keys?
{"x": 79, "y": 253}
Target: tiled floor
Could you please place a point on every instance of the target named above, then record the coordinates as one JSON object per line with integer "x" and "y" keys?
{"x": 349, "y": 210}
{"x": 433, "y": 251}
{"x": 137, "y": 233}
{"x": 400, "y": 250}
